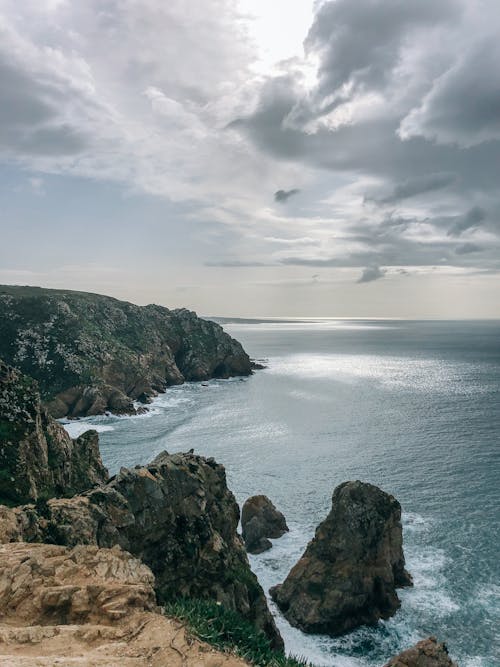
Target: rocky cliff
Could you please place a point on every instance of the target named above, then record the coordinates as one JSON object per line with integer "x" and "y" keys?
{"x": 37, "y": 457}
{"x": 349, "y": 572}
{"x": 176, "y": 514}
{"x": 91, "y": 354}
{"x": 88, "y": 607}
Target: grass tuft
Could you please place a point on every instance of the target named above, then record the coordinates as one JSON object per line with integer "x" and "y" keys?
{"x": 226, "y": 630}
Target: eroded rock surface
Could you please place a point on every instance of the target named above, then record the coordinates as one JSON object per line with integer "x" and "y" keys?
{"x": 426, "y": 653}
{"x": 88, "y": 607}
{"x": 260, "y": 520}
{"x": 349, "y": 572}
{"x": 92, "y": 354}
{"x": 176, "y": 514}
{"x": 38, "y": 459}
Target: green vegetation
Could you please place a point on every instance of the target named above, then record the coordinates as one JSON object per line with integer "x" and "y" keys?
{"x": 228, "y": 631}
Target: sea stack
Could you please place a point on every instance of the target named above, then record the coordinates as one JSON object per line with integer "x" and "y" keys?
{"x": 349, "y": 572}
{"x": 260, "y": 520}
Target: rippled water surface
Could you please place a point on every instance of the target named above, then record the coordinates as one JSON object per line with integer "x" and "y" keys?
{"x": 413, "y": 407}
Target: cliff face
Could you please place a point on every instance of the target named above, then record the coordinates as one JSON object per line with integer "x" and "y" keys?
{"x": 38, "y": 459}
{"x": 91, "y": 354}
{"x": 176, "y": 514}
{"x": 349, "y": 572}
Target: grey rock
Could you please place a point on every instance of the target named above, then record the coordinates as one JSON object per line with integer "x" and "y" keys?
{"x": 261, "y": 520}
{"x": 38, "y": 459}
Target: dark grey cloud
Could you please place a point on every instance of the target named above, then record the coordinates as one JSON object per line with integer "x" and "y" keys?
{"x": 371, "y": 273}
{"x": 467, "y": 249}
{"x": 463, "y": 106}
{"x": 418, "y": 186}
{"x": 359, "y": 45}
{"x": 283, "y": 195}
{"x": 30, "y": 119}
{"x": 470, "y": 220}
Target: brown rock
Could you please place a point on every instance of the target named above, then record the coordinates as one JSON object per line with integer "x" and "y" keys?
{"x": 88, "y": 607}
{"x": 427, "y": 653}
{"x": 261, "y": 520}
{"x": 350, "y": 570}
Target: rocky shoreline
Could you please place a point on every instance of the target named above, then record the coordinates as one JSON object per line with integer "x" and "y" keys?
{"x": 88, "y": 561}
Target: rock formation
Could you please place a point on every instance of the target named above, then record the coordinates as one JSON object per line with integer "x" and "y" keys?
{"x": 88, "y": 607}
{"x": 427, "y": 653}
{"x": 348, "y": 573}
{"x": 261, "y": 520}
{"x": 38, "y": 459}
{"x": 92, "y": 354}
{"x": 176, "y": 514}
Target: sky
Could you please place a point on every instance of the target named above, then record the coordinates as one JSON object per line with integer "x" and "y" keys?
{"x": 336, "y": 158}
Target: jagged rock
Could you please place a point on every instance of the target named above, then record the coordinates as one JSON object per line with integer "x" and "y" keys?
{"x": 426, "y": 653}
{"x": 88, "y": 607}
{"x": 177, "y": 515}
{"x": 38, "y": 459}
{"x": 92, "y": 354}
{"x": 261, "y": 520}
{"x": 46, "y": 584}
{"x": 349, "y": 572}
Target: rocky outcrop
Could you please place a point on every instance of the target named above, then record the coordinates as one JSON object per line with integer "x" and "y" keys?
{"x": 176, "y": 514}
{"x": 260, "y": 520}
{"x": 350, "y": 570}
{"x": 92, "y": 354}
{"x": 38, "y": 459}
{"x": 427, "y": 653}
{"x": 88, "y": 607}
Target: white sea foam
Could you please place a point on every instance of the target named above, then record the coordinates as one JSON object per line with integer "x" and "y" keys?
{"x": 76, "y": 428}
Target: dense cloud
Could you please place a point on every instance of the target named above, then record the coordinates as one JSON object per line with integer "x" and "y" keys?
{"x": 396, "y": 107}
{"x": 388, "y": 124}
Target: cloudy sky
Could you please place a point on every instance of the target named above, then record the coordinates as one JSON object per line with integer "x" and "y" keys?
{"x": 247, "y": 157}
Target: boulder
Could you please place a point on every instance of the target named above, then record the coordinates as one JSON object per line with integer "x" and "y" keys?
{"x": 88, "y": 607}
{"x": 426, "y": 653}
{"x": 177, "y": 515}
{"x": 92, "y": 354}
{"x": 349, "y": 572}
{"x": 261, "y": 520}
{"x": 38, "y": 459}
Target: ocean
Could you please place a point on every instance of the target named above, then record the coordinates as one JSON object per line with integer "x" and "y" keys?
{"x": 411, "y": 406}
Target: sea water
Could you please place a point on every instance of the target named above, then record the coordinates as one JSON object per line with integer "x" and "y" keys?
{"x": 413, "y": 407}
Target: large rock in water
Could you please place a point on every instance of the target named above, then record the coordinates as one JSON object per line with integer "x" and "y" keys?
{"x": 92, "y": 354}
{"x": 350, "y": 570}
{"x": 176, "y": 514}
{"x": 38, "y": 459}
{"x": 261, "y": 520}
{"x": 426, "y": 653}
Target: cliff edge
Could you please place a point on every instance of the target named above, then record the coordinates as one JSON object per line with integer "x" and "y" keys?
{"x": 91, "y": 354}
